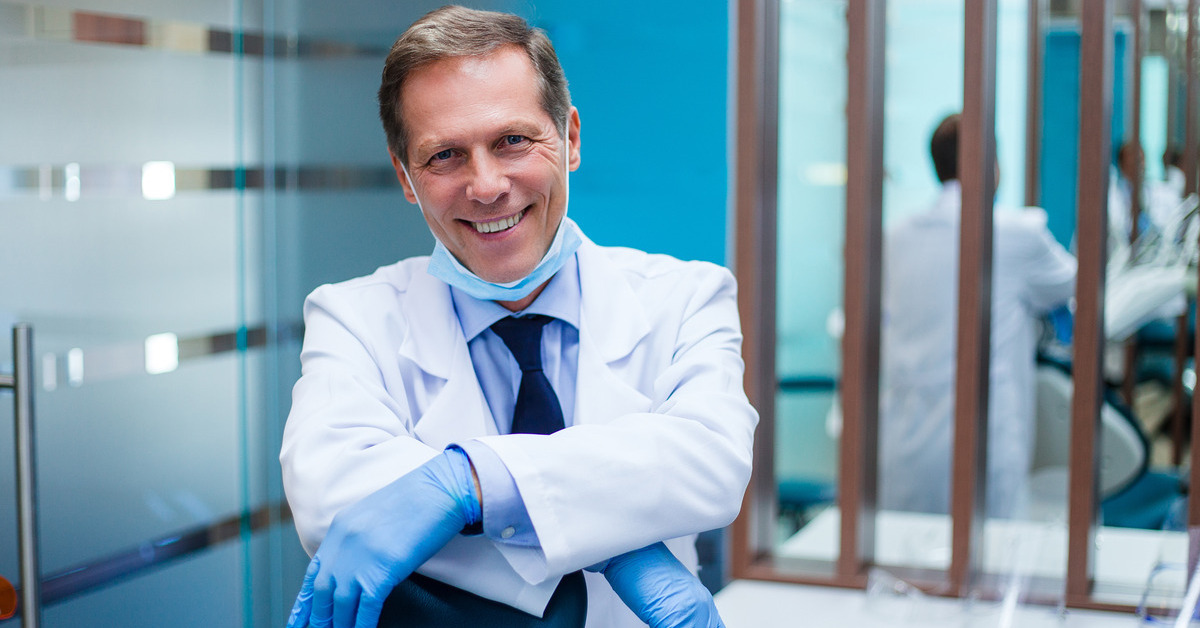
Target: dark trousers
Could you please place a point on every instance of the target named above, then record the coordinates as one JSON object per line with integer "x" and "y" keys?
{"x": 421, "y": 602}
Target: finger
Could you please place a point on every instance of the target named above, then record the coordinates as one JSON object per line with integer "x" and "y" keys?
{"x": 303, "y": 606}
{"x": 322, "y": 602}
{"x": 345, "y": 604}
{"x": 370, "y": 607}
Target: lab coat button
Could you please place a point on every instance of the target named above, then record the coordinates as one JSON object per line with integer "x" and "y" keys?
{"x": 508, "y": 532}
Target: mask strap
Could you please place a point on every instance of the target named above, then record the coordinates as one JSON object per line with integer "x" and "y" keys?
{"x": 411, "y": 186}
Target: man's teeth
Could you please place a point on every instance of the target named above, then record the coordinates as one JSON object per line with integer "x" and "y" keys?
{"x": 499, "y": 225}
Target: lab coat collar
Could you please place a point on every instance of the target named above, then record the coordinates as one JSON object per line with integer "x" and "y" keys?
{"x": 610, "y": 311}
{"x": 949, "y": 200}
{"x": 429, "y": 308}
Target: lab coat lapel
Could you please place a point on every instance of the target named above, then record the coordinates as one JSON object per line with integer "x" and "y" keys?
{"x": 611, "y": 324}
{"x": 454, "y": 405}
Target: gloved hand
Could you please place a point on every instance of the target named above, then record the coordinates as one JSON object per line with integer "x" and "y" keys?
{"x": 660, "y": 590}
{"x": 377, "y": 542}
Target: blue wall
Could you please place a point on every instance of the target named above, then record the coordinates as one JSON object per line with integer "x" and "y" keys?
{"x": 650, "y": 80}
{"x": 1060, "y": 130}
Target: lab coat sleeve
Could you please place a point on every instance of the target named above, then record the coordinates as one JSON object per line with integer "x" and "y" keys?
{"x": 1049, "y": 270}
{"x": 347, "y": 435}
{"x": 668, "y": 463}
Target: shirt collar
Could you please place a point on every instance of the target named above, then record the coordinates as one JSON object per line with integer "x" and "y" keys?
{"x": 560, "y": 299}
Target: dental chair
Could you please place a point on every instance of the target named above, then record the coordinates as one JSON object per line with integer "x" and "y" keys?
{"x": 1130, "y": 495}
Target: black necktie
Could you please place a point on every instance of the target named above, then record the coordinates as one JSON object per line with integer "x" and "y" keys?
{"x": 537, "y": 410}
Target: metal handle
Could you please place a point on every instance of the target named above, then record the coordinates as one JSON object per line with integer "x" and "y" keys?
{"x": 21, "y": 381}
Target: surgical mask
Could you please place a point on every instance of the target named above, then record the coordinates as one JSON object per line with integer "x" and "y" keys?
{"x": 444, "y": 266}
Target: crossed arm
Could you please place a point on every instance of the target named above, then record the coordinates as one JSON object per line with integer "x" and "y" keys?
{"x": 687, "y": 454}
{"x": 369, "y": 550}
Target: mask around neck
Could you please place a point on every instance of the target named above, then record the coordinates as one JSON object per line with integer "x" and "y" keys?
{"x": 444, "y": 266}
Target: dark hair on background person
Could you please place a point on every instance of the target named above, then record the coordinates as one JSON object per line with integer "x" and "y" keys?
{"x": 943, "y": 147}
{"x": 455, "y": 31}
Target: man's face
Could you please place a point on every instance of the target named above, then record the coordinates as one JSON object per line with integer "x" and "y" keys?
{"x": 486, "y": 161}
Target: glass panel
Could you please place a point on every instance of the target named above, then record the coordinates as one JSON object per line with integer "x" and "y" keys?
{"x": 923, "y": 85}
{"x": 201, "y": 591}
{"x": 127, "y": 244}
{"x": 1032, "y": 276}
{"x": 1142, "y": 479}
{"x": 1033, "y": 284}
{"x": 1030, "y": 394}
{"x": 812, "y": 178}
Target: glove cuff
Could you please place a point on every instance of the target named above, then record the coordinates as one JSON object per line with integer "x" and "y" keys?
{"x": 464, "y": 490}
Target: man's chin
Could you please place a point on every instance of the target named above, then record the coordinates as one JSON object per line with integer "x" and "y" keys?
{"x": 504, "y": 278}
{"x": 502, "y": 270}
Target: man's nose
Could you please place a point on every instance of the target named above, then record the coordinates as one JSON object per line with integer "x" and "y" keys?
{"x": 488, "y": 179}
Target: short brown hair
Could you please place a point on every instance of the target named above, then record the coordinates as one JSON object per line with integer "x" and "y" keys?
{"x": 943, "y": 148}
{"x": 455, "y": 31}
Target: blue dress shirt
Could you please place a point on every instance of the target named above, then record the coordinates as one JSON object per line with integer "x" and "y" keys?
{"x": 505, "y": 518}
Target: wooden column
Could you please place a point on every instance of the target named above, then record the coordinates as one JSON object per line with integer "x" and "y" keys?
{"x": 1135, "y": 122}
{"x": 1137, "y": 182}
{"x": 1191, "y": 163}
{"x": 858, "y": 469}
{"x": 755, "y": 174}
{"x": 1095, "y": 147}
{"x": 977, "y": 172}
{"x": 1188, "y": 111}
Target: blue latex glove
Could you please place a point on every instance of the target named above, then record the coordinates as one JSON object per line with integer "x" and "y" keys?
{"x": 660, "y": 590}
{"x": 377, "y": 542}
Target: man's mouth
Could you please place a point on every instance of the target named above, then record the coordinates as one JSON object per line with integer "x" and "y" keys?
{"x": 499, "y": 225}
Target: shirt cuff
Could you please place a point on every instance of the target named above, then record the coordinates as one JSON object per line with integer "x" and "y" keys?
{"x": 505, "y": 519}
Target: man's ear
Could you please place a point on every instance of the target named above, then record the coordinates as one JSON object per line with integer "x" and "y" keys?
{"x": 402, "y": 178}
{"x": 573, "y": 135}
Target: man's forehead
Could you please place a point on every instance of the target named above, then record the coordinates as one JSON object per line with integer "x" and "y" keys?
{"x": 459, "y": 98}
{"x": 508, "y": 66}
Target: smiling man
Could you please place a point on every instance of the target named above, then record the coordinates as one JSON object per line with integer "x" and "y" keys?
{"x": 522, "y": 404}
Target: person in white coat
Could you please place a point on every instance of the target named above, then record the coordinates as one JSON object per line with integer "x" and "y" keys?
{"x": 1032, "y": 274}
{"x": 401, "y": 453}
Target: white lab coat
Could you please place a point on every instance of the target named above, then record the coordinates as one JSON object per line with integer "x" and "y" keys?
{"x": 1032, "y": 274}
{"x": 661, "y": 447}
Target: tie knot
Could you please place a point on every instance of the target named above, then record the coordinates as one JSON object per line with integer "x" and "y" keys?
{"x": 523, "y": 337}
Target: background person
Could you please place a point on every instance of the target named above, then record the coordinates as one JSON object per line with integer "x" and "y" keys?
{"x": 1032, "y": 274}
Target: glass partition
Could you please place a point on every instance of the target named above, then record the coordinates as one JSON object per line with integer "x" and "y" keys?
{"x": 923, "y": 85}
{"x": 1140, "y": 482}
{"x": 127, "y": 270}
{"x": 174, "y": 178}
{"x": 1150, "y": 297}
{"x": 811, "y": 219}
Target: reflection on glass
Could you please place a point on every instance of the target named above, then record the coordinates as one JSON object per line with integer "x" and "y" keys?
{"x": 158, "y": 180}
{"x": 75, "y": 367}
{"x": 73, "y": 186}
{"x": 812, "y": 178}
{"x": 162, "y": 353}
{"x": 1167, "y": 599}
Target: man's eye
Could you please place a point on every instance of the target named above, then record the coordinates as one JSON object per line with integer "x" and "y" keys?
{"x": 513, "y": 139}
{"x": 443, "y": 155}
